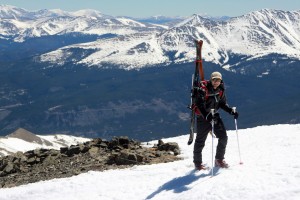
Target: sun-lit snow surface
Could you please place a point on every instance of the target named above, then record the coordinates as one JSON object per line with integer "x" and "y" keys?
{"x": 271, "y": 170}
{"x": 134, "y": 51}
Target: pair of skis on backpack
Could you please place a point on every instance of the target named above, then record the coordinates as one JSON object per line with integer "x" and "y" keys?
{"x": 197, "y": 77}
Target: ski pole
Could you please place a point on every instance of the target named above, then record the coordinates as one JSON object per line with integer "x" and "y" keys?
{"x": 237, "y": 136}
{"x": 212, "y": 141}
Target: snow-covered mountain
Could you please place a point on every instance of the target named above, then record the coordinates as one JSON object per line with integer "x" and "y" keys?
{"x": 18, "y": 24}
{"x": 139, "y": 44}
{"x": 270, "y": 170}
{"x": 162, "y": 20}
{"x": 23, "y": 140}
{"x": 250, "y": 36}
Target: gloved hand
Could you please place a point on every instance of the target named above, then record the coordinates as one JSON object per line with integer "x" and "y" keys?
{"x": 209, "y": 117}
{"x": 234, "y": 113}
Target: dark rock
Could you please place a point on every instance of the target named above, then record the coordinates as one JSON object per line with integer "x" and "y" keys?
{"x": 95, "y": 142}
{"x": 123, "y": 141}
{"x": 94, "y": 151}
{"x": 103, "y": 145}
{"x": 160, "y": 142}
{"x": 170, "y": 146}
{"x": 31, "y": 161}
{"x": 97, "y": 154}
{"x": 9, "y": 168}
{"x": 64, "y": 150}
{"x": 125, "y": 158}
{"x": 83, "y": 148}
{"x": 50, "y": 160}
{"x": 73, "y": 150}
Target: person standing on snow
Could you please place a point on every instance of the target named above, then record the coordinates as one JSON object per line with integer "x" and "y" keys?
{"x": 211, "y": 95}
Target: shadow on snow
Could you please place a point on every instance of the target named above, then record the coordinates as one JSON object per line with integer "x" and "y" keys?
{"x": 180, "y": 184}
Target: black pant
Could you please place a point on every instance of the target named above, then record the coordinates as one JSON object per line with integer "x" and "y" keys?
{"x": 203, "y": 128}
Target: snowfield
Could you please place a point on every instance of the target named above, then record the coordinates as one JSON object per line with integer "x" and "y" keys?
{"x": 271, "y": 170}
{"x": 10, "y": 144}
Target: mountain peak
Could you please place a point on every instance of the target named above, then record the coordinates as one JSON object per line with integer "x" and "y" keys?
{"x": 25, "y": 135}
{"x": 194, "y": 20}
{"x": 7, "y": 7}
{"x": 24, "y": 140}
{"x": 12, "y": 12}
{"x": 88, "y": 13}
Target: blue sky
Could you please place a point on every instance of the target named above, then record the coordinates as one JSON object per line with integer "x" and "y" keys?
{"x": 146, "y": 8}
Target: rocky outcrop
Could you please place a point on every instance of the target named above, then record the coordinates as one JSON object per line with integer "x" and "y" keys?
{"x": 97, "y": 154}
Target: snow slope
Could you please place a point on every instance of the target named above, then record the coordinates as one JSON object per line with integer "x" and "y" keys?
{"x": 23, "y": 140}
{"x": 271, "y": 170}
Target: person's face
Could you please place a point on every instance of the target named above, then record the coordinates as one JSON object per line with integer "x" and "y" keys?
{"x": 216, "y": 82}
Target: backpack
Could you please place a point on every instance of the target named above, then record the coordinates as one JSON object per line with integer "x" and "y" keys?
{"x": 203, "y": 89}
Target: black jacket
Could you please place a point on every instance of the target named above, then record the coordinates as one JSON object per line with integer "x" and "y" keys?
{"x": 209, "y": 98}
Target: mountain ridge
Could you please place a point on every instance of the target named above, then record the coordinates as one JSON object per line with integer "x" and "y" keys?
{"x": 138, "y": 44}
{"x": 24, "y": 140}
{"x": 254, "y": 35}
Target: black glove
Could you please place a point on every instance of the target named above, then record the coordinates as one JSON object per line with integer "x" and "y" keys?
{"x": 234, "y": 113}
{"x": 209, "y": 117}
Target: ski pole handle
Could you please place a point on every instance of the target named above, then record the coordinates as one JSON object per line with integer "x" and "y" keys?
{"x": 233, "y": 109}
{"x": 212, "y": 111}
